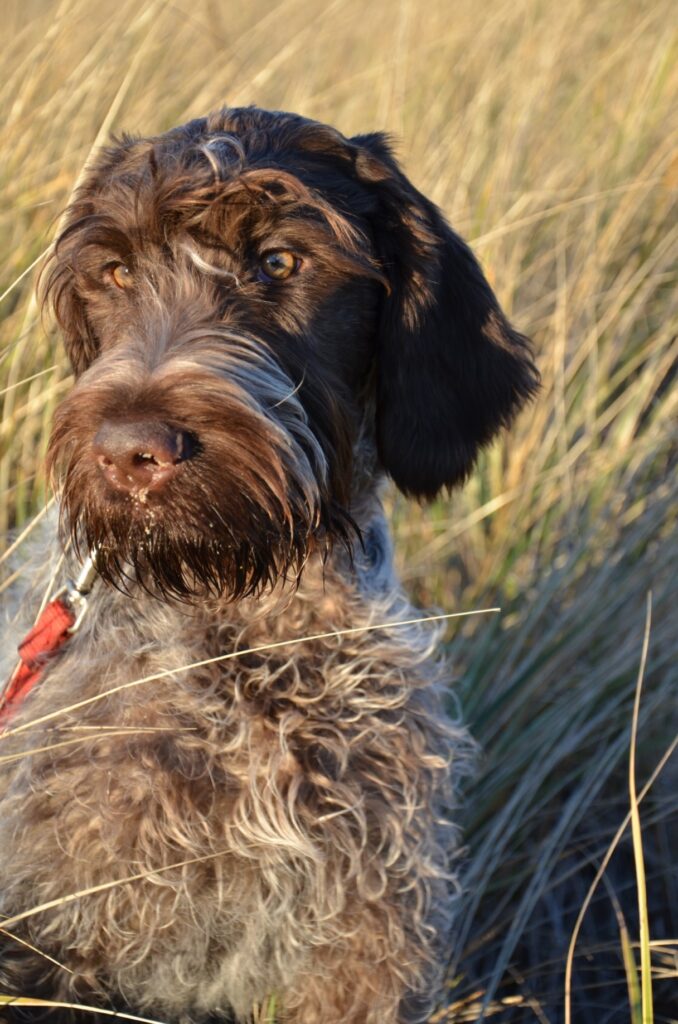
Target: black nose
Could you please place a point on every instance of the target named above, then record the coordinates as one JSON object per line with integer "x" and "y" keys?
{"x": 140, "y": 456}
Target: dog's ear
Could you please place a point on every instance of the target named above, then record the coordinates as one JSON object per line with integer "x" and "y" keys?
{"x": 59, "y": 292}
{"x": 451, "y": 371}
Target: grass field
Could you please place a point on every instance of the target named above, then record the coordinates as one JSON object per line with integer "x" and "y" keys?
{"x": 547, "y": 132}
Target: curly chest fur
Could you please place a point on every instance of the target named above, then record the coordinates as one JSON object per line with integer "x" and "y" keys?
{"x": 279, "y": 785}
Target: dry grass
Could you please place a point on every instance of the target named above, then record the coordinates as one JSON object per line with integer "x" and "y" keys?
{"x": 546, "y": 130}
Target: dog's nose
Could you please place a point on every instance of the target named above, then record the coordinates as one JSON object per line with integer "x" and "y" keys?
{"x": 137, "y": 456}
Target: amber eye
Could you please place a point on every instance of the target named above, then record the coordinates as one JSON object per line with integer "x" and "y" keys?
{"x": 276, "y": 266}
{"x": 121, "y": 275}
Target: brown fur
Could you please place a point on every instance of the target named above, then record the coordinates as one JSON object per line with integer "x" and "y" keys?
{"x": 288, "y": 809}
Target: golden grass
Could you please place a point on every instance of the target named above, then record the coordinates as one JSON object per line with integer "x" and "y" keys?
{"x": 547, "y": 132}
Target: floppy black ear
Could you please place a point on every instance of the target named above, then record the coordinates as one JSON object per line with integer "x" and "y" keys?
{"x": 451, "y": 371}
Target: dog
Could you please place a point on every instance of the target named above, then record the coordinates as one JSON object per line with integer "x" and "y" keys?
{"x": 245, "y": 772}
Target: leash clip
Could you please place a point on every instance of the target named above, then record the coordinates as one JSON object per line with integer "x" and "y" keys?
{"x": 75, "y": 592}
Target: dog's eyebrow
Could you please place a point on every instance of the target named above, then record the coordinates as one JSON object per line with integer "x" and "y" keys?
{"x": 94, "y": 229}
{"x": 284, "y": 190}
{"x": 206, "y": 267}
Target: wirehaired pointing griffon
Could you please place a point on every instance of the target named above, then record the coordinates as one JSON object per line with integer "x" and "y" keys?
{"x": 265, "y": 320}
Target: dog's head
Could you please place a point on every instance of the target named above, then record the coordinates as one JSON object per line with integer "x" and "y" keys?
{"x": 263, "y": 315}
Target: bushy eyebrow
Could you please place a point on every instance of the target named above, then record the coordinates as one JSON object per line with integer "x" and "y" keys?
{"x": 94, "y": 229}
{"x": 188, "y": 247}
{"x": 125, "y": 217}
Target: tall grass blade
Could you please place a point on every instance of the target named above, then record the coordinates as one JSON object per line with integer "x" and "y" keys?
{"x": 636, "y": 830}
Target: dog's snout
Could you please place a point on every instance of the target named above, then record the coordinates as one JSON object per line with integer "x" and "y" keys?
{"x": 138, "y": 456}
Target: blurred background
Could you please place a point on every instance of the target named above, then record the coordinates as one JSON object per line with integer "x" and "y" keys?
{"x": 546, "y": 130}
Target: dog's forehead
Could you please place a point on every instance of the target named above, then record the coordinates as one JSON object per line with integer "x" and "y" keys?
{"x": 223, "y": 146}
{"x": 239, "y": 159}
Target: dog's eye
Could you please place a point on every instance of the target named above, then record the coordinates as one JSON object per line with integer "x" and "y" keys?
{"x": 277, "y": 265}
{"x": 120, "y": 275}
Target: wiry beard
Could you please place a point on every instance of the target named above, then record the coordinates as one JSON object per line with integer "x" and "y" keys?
{"x": 186, "y": 555}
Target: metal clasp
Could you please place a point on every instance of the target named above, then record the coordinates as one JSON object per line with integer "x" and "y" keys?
{"x": 76, "y": 591}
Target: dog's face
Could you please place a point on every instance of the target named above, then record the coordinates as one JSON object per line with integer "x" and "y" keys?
{"x": 248, "y": 301}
